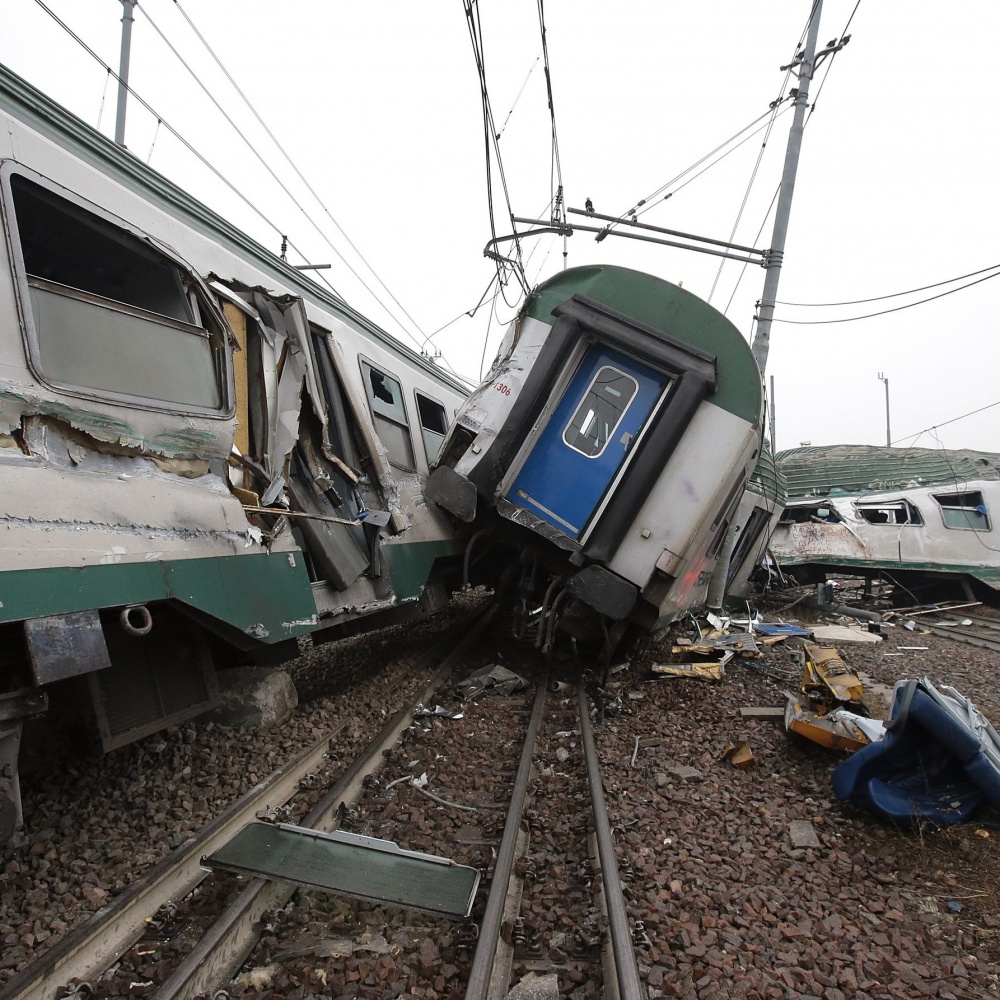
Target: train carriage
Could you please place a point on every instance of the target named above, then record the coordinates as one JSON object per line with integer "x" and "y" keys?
{"x": 610, "y": 444}
{"x": 204, "y": 455}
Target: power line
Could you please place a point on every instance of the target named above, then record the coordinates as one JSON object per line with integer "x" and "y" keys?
{"x": 187, "y": 145}
{"x": 894, "y": 295}
{"x": 308, "y": 187}
{"x": 945, "y": 423}
{"x": 885, "y": 312}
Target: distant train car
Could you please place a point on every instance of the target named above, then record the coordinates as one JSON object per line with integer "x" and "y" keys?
{"x": 606, "y": 451}
{"x": 908, "y": 514}
{"x": 203, "y": 454}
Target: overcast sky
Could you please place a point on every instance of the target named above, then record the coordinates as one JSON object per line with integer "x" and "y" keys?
{"x": 378, "y": 106}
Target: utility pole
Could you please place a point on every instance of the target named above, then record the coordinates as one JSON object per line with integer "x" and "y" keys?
{"x": 806, "y": 60}
{"x": 127, "y": 19}
{"x": 888, "y": 434}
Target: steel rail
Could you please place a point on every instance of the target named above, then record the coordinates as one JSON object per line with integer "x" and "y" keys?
{"x": 228, "y": 943}
{"x": 87, "y": 951}
{"x": 489, "y": 933}
{"x": 626, "y": 967}
{"x": 969, "y": 638}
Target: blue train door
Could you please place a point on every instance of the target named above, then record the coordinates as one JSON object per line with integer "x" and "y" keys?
{"x": 586, "y": 439}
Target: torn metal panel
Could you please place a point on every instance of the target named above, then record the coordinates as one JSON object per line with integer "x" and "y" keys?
{"x": 62, "y": 646}
{"x": 347, "y": 864}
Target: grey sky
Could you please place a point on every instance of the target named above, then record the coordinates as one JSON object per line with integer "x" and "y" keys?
{"x": 378, "y": 105}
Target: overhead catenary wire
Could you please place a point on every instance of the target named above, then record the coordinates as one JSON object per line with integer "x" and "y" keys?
{"x": 298, "y": 173}
{"x": 945, "y": 423}
{"x": 885, "y": 312}
{"x": 892, "y": 295}
{"x": 145, "y": 104}
{"x": 492, "y": 147}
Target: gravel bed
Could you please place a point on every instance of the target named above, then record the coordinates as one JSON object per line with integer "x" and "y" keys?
{"x": 95, "y": 823}
{"x": 731, "y": 907}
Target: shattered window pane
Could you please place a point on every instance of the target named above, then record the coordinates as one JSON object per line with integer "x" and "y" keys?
{"x": 600, "y": 412}
{"x": 964, "y": 510}
{"x": 433, "y": 424}
{"x": 108, "y": 311}
{"x": 385, "y": 397}
{"x": 901, "y": 512}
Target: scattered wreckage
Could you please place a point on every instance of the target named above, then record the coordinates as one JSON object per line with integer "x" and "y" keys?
{"x": 934, "y": 762}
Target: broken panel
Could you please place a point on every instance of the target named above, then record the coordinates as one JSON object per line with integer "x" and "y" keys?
{"x": 361, "y": 867}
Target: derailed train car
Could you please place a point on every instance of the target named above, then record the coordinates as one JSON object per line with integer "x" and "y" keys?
{"x": 910, "y": 515}
{"x": 605, "y": 454}
{"x": 203, "y": 454}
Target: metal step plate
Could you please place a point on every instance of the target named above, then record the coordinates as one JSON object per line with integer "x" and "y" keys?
{"x": 350, "y": 865}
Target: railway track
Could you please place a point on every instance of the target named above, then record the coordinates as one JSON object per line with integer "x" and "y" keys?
{"x": 554, "y": 903}
{"x": 981, "y": 631}
{"x": 85, "y": 956}
{"x": 565, "y": 865}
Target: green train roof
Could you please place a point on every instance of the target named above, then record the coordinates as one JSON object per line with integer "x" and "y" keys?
{"x": 673, "y": 310}
{"x": 849, "y": 469}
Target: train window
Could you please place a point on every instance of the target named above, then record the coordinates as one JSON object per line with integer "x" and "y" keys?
{"x": 385, "y": 397}
{"x": 433, "y": 424}
{"x": 601, "y": 410}
{"x": 109, "y": 313}
{"x": 964, "y": 510}
{"x": 893, "y": 512}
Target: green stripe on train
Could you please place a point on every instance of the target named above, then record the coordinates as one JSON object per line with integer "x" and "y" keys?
{"x": 266, "y": 596}
{"x": 254, "y": 593}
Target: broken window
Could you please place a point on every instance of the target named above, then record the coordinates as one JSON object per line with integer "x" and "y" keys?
{"x": 433, "y": 424}
{"x": 893, "y": 512}
{"x": 108, "y": 312}
{"x": 601, "y": 410}
{"x": 385, "y": 397}
{"x": 804, "y": 515}
{"x": 964, "y": 510}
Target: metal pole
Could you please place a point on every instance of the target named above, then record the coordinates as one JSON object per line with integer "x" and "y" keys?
{"x": 127, "y": 19}
{"x": 765, "y": 313}
{"x": 888, "y": 433}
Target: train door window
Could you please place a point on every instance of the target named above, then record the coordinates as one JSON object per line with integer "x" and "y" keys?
{"x": 964, "y": 510}
{"x": 106, "y": 312}
{"x": 385, "y": 397}
{"x": 893, "y": 512}
{"x": 433, "y": 424}
{"x": 600, "y": 411}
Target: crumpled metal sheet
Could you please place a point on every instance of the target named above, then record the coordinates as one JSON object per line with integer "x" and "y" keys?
{"x": 494, "y": 677}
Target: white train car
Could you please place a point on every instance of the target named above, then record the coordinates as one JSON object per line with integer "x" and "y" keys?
{"x": 907, "y": 514}
{"x": 204, "y": 455}
{"x": 607, "y": 452}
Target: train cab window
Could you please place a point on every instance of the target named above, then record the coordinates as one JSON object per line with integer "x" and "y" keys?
{"x": 107, "y": 312}
{"x": 964, "y": 510}
{"x": 433, "y": 424}
{"x": 593, "y": 424}
{"x": 385, "y": 397}
{"x": 894, "y": 512}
